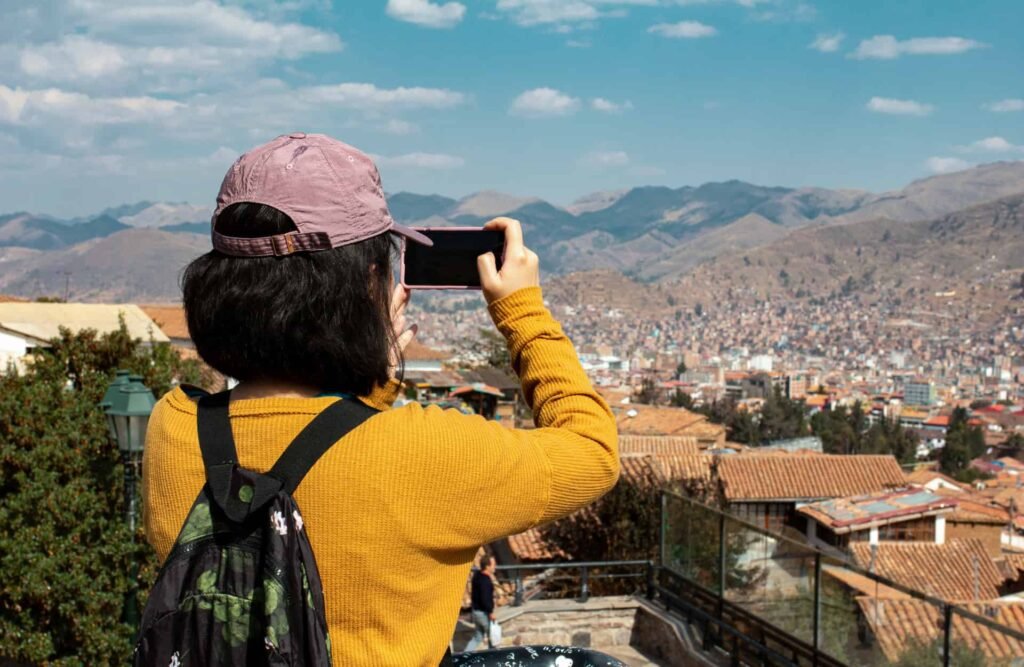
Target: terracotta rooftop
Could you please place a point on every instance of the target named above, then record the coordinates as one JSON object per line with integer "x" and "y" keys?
{"x": 682, "y": 467}
{"x": 170, "y": 319}
{"x": 647, "y": 420}
{"x": 7, "y": 298}
{"x": 923, "y": 477}
{"x": 843, "y": 515}
{"x": 658, "y": 444}
{"x": 896, "y": 624}
{"x": 944, "y": 571}
{"x": 417, "y": 351}
{"x": 862, "y": 584}
{"x": 529, "y": 546}
{"x": 797, "y": 477}
{"x": 974, "y": 507}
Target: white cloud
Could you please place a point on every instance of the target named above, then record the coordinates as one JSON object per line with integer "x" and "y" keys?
{"x": 1003, "y": 106}
{"x": 991, "y": 145}
{"x": 421, "y": 161}
{"x": 26, "y": 107}
{"x": 607, "y": 106}
{"x": 565, "y": 14}
{"x": 683, "y": 30}
{"x": 899, "y": 107}
{"x": 203, "y": 22}
{"x": 106, "y": 46}
{"x": 537, "y": 12}
{"x": 945, "y": 165}
{"x": 827, "y": 43}
{"x": 544, "y": 102}
{"x": 426, "y": 13}
{"x": 605, "y": 159}
{"x": 368, "y": 97}
{"x": 887, "y": 47}
{"x": 578, "y": 44}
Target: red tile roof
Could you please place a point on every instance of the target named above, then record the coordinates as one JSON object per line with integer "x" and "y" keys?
{"x": 170, "y": 319}
{"x": 658, "y": 444}
{"x": 897, "y": 624}
{"x": 796, "y": 477}
{"x": 945, "y": 571}
{"x": 417, "y": 351}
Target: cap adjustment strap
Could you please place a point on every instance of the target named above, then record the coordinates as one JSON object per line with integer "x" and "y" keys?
{"x": 279, "y": 245}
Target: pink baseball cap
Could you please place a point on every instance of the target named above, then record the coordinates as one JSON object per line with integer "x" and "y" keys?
{"x": 329, "y": 189}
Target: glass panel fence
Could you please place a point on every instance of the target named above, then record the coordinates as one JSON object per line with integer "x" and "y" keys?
{"x": 978, "y": 638}
{"x": 771, "y": 578}
{"x": 691, "y": 542}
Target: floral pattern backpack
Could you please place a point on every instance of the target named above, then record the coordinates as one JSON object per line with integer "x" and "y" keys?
{"x": 241, "y": 586}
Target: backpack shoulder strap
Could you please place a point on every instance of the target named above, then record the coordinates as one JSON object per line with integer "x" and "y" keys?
{"x": 331, "y": 425}
{"x": 215, "y": 438}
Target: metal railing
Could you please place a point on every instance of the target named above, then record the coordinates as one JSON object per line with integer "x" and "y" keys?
{"x": 586, "y": 574}
{"x": 765, "y": 599}
{"x": 784, "y": 602}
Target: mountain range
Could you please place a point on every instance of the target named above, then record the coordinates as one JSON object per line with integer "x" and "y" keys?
{"x": 649, "y": 233}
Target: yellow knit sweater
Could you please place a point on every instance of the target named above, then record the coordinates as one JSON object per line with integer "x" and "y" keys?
{"x": 397, "y": 510}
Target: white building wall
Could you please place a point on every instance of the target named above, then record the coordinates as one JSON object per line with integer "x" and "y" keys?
{"x": 12, "y": 350}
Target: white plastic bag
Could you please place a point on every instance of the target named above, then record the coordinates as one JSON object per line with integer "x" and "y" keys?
{"x": 495, "y": 634}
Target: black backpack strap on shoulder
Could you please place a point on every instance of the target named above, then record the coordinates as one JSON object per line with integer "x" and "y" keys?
{"x": 215, "y": 438}
{"x": 220, "y": 458}
{"x": 331, "y": 425}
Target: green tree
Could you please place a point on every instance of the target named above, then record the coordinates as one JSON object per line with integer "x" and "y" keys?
{"x": 681, "y": 399}
{"x": 1015, "y": 445}
{"x": 65, "y": 551}
{"x": 680, "y": 368}
{"x": 835, "y": 428}
{"x": 783, "y": 418}
{"x": 648, "y": 393}
{"x": 964, "y": 443}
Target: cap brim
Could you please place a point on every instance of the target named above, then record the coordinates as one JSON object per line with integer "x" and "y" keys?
{"x": 411, "y": 234}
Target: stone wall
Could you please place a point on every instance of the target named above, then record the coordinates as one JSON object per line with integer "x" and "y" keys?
{"x": 599, "y": 623}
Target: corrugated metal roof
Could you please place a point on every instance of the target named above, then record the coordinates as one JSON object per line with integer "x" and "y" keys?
{"x": 873, "y": 509}
{"x": 42, "y": 321}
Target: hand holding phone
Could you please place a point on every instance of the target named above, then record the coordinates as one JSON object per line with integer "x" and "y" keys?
{"x": 520, "y": 267}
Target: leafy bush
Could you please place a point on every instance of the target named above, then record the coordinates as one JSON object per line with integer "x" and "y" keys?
{"x": 65, "y": 551}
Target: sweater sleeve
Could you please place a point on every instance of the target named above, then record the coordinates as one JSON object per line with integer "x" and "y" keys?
{"x": 576, "y": 431}
{"x": 490, "y": 481}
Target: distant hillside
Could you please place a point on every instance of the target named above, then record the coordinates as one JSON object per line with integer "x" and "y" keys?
{"x": 947, "y": 253}
{"x": 932, "y": 197}
{"x": 408, "y": 207}
{"x": 132, "y": 265}
{"x": 163, "y": 214}
{"x": 27, "y": 231}
{"x": 649, "y": 233}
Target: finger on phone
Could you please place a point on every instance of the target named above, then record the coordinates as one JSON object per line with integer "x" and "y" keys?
{"x": 513, "y": 232}
{"x": 486, "y": 266}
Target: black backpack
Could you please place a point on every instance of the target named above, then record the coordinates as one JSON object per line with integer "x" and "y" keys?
{"x": 241, "y": 586}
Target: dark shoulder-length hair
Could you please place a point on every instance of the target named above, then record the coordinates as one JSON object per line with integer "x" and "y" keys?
{"x": 319, "y": 319}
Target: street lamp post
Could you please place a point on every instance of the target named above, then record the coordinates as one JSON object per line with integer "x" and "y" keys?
{"x": 128, "y": 404}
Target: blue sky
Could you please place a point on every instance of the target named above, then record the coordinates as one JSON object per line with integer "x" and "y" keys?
{"x": 110, "y": 101}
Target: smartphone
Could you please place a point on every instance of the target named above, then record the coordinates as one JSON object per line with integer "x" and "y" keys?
{"x": 451, "y": 262}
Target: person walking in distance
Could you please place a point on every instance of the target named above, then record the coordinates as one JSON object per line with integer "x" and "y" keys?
{"x": 482, "y": 609}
